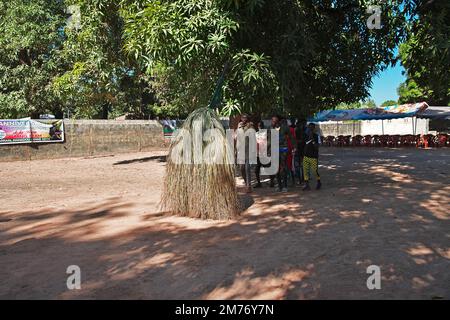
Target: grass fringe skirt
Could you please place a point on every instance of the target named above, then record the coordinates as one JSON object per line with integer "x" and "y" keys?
{"x": 200, "y": 180}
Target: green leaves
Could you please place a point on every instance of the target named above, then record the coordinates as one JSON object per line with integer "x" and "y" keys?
{"x": 101, "y": 80}
{"x": 164, "y": 57}
{"x": 426, "y": 57}
{"x": 294, "y": 56}
{"x": 231, "y": 108}
{"x": 30, "y": 42}
{"x": 217, "y": 42}
{"x": 358, "y": 105}
{"x": 184, "y": 46}
{"x": 410, "y": 92}
{"x": 389, "y": 103}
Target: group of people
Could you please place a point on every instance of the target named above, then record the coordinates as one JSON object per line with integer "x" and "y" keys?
{"x": 298, "y": 152}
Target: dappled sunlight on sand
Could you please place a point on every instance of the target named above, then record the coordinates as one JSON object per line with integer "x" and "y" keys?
{"x": 438, "y": 203}
{"x": 247, "y": 286}
{"x": 392, "y": 174}
{"x": 420, "y": 251}
{"x": 351, "y": 214}
{"x": 377, "y": 207}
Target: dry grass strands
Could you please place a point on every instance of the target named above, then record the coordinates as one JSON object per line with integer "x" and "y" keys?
{"x": 199, "y": 181}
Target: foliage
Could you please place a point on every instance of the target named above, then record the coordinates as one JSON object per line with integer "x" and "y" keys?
{"x": 101, "y": 80}
{"x": 357, "y": 105}
{"x": 322, "y": 52}
{"x": 426, "y": 54}
{"x": 294, "y": 56}
{"x": 184, "y": 45}
{"x": 389, "y": 103}
{"x": 410, "y": 92}
{"x": 163, "y": 58}
{"x": 30, "y": 42}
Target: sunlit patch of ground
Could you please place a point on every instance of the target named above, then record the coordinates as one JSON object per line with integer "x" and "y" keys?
{"x": 381, "y": 207}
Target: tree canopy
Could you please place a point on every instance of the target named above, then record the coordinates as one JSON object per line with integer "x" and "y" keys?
{"x": 101, "y": 78}
{"x": 426, "y": 54}
{"x": 148, "y": 58}
{"x": 389, "y": 103}
{"x": 369, "y": 103}
{"x": 299, "y": 56}
{"x": 30, "y": 42}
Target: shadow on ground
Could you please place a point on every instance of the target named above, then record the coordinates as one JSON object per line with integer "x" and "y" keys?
{"x": 140, "y": 160}
{"x": 379, "y": 207}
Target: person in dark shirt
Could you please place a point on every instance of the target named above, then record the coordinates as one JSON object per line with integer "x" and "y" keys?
{"x": 311, "y": 157}
{"x": 292, "y": 161}
{"x": 284, "y": 136}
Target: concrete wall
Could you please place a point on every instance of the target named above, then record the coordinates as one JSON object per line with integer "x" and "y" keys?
{"x": 372, "y": 127}
{"x": 91, "y": 138}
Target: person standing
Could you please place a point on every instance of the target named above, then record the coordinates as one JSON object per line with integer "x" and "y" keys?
{"x": 300, "y": 134}
{"x": 311, "y": 157}
{"x": 292, "y": 161}
{"x": 284, "y": 136}
{"x": 246, "y": 147}
{"x": 262, "y": 144}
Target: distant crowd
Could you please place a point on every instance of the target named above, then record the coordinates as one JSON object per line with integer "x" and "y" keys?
{"x": 298, "y": 152}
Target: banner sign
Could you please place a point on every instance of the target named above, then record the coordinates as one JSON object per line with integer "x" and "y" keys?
{"x": 391, "y": 112}
{"x": 31, "y": 131}
{"x": 410, "y": 109}
{"x": 169, "y": 127}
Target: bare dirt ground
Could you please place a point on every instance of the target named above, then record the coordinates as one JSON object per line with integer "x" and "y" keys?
{"x": 382, "y": 207}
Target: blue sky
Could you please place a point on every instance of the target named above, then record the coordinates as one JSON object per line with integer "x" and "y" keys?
{"x": 385, "y": 85}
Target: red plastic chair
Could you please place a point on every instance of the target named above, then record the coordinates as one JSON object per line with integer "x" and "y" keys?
{"x": 417, "y": 138}
{"x": 433, "y": 141}
{"x": 408, "y": 140}
{"x": 443, "y": 140}
{"x": 394, "y": 141}
{"x": 367, "y": 140}
{"x": 357, "y": 141}
{"x": 341, "y": 141}
{"x": 347, "y": 140}
{"x": 329, "y": 141}
{"x": 429, "y": 140}
{"x": 376, "y": 141}
{"x": 403, "y": 140}
{"x": 384, "y": 139}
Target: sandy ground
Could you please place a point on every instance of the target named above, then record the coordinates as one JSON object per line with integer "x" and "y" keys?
{"x": 382, "y": 207}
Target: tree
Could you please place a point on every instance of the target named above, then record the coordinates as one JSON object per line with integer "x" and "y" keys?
{"x": 164, "y": 57}
{"x": 101, "y": 81}
{"x": 388, "y": 103}
{"x": 295, "y": 56}
{"x": 46, "y": 67}
{"x": 322, "y": 52}
{"x": 357, "y": 105}
{"x": 426, "y": 54}
{"x": 184, "y": 46}
{"x": 30, "y": 44}
{"x": 410, "y": 92}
